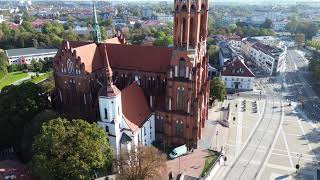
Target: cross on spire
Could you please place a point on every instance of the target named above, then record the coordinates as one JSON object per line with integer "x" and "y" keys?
{"x": 96, "y": 35}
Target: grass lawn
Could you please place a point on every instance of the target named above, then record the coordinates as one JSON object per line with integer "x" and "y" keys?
{"x": 41, "y": 77}
{"x": 210, "y": 160}
{"x": 11, "y": 78}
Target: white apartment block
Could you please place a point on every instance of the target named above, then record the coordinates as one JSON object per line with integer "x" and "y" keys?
{"x": 26, "y": 55}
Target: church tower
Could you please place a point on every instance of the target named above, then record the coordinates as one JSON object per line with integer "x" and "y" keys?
{"x": 190, "y": 23}
{"x": 187, "y": 90}
{"x": 96, "y": 35}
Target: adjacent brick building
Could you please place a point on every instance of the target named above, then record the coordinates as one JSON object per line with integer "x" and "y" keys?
{"x": 174, "y": 80}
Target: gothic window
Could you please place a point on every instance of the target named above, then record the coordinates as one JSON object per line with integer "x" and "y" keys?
{"x": 184, "y": 8}
{"x": 191, "y": 30}
{"x": 160, "y": 124}
{"x": 105, "y": 113}
{"x": 179, "y": 128}
{"x": 180, "y": 98}
{"x": 192, "y": 8}
{"x": 202, "y": 22}
{"x": 70, "y": 67}
{"x": 107, "y": 129}
{"x": 183, "y": 30}
{"x": 182, "y": 67}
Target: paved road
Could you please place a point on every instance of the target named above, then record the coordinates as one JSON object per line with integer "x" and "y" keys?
{"x": 299, "y": 87}
{"x": 287, "y": 135}
{"x": 252, "y": 156}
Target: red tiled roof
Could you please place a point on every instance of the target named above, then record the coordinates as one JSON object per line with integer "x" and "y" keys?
{"x": 109, "y": 90}
{"x": 122, "y": 56}
{"x": 236, "y": 68}
{"x": 144, "y": 58}
{"x": 90, "y": 56}
{"x": 114, "y": 40}
{"x": 135, "y": 107}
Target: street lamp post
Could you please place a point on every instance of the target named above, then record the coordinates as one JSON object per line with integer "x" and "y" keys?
{"x": 217, "y": 132}
{"x": 299, "y": 155}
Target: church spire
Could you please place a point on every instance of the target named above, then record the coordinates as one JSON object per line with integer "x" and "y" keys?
{"x": 96, "y": 35}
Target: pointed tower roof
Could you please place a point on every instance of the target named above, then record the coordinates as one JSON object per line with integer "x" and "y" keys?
{"x": 96, "y": 35}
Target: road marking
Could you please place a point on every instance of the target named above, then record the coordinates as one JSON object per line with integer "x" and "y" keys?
{"x": 272, "y": 145}
{"x": 287, "y": 146}
{"x": 275, "y": 176}
{"x": 239, "y": 128}
{"x": 294, "y": 156}
{"x": 275, "y": 166}
{"x": 305, "y": 137}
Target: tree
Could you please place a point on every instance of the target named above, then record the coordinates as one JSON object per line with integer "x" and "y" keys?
{"x": 18, "y": 105}
{"x": 213, "y": 53}
{"x": 27, "y": 26}
{"x": 46, "y": 28}
{"x": 3, "y": 65}
{"x": 267, "y": 24}
{"x": 47, "y": 86}
{"x": 217, "y": 89}
{"x": 69, "y": 35}
{"x": 37, "y": 66}
{"x": 300, "y": 38}
{"x": 141, "y": 163}
{"x": 31, "y": 130}
{"x": 163, "y": 39}
{"x": 70, "y": 150}
{"x": 137, "y": 25}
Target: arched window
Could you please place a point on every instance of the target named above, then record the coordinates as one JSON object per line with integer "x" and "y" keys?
{"x": 182, "y": 67}
{"x": 105, "y": 113}
{"x": 183, "y": 30}
{"x": 202, "y": 23}
{"x": 179, "y": 128}
{"x": 192, "y": 9}
{"x": 191, "y": 31}
{"x": 180, "y": 98}
{"x": 184, "y": 8}
{"x": 107, "y": 129}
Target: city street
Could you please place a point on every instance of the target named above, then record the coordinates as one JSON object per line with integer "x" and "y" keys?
{"x": 284, "y": 135}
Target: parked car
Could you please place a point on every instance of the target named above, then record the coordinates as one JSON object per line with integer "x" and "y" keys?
{"x": 178, "y": 151}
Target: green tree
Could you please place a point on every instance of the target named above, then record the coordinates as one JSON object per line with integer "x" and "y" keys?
{"x": 18, "y": 105}
{"x": 137, "y": 25}
{"x": 70, "y": 150}
{"x": 267, "y": 24}
{"x": 217, "y": 89}
{"x": 70, "y": 35}
{"x": 3, "y": 65}
{"x": 213, "y": 53}
{"x": 46, "y": 28}
{"x": 300, "y": 39}
{"x": 27, "y": 26}
{"x": 163, "y": 39}
{"x": 31, "y": 130}
{"x": 37, "y": 66}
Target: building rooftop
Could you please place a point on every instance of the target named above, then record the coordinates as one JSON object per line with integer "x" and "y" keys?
{"x": 28, "y": 51}
{"x": 236, "y": 67}
{"x": 270, "y": 50}
{"x": 135, "y": 107}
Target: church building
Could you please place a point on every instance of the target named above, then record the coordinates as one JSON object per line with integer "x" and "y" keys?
{"x": 139, "y": 94}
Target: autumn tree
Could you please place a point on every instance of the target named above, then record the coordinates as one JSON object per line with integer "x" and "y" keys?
{"x": 141, "y": 163}
{"x": 72, "y": 149}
